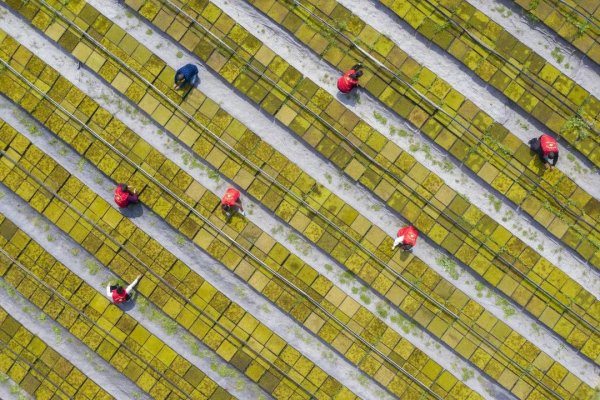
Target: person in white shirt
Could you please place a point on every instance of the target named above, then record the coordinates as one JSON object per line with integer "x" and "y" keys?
{"x": 117, "y": 294}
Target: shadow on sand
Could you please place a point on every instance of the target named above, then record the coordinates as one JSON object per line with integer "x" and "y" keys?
{"x": 132, "y": 211}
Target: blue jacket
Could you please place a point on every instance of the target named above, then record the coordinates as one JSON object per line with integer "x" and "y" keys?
{"x": 188, "y": 71}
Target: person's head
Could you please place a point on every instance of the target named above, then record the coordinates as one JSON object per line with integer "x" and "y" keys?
{"x": 179, "y": 77}
{"x": 356, "y": 75}
{"x": 551, "y": 155}
{"x": 406, "y": 247}
{"x": 120, "y": 289}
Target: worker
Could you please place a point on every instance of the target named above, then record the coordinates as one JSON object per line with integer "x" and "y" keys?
{"x": 231, "y": 202}
{"x": 349, "y": 80}
{"x": 117, "y": 294}
{"x": 547, "y": 148}
{"x": 124, "y": 196}
{"x": 407, "y": 238}
{"x": 186, "y": 75}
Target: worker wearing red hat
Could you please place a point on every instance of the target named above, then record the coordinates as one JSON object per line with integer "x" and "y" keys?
{"x": 118, "y": 295}
{"x": 124, "y": 196}
{"x": 547, "y": 148}
{"x": 231, "y": 202}
{"x": 406, "y": 237}
{"x": 349, "y": 80}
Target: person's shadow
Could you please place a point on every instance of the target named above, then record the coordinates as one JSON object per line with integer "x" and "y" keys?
{"x": 533, "y": 144}
{"x": 405, "y": 254}
{"x": 129, "y": 304}
{"x": 349, "y": 99}
{"x": 132, "y": 210}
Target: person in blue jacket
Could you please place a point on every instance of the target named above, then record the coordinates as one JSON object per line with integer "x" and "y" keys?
{"x": 186, "y": 75}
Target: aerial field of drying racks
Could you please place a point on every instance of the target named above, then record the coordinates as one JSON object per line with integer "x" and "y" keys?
{"x": 302, "y": 295}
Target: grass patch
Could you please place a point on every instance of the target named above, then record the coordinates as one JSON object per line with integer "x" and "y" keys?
{"x": 380, "y": 118}
{"x": 214, "y": 175}
{"x": 449, "y": 266}
{"x": 503, "y": 11}
{"x": 57, "y": 334}
{"x": 403, "y": 323}
{"x": 467, "y": 374}
{"x": 479, "y": 288}
{"x": 365, "y": 298}
{"x": 582, "y": 26}
{"x": 91, "y": 266}
{"x": 506, "y": 307}
{"x": 223, "y": 370}
{"x": 398, "y": 132}
{"x": 557, "y": 55}
{"x": 576, "y": 125}
{"x": 381, "y": 310}
{"x": 495, "y": 202}
{"x": 440, "y": 28}
{"x": 346, "y": 277}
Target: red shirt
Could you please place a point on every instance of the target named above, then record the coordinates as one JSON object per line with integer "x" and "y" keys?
{"x": 121, "y": 197}
{"x": 346, "y": 83}
{"x": 548, "y": 145}
{"x": 410, "y": 235}
{"x": 231, "y": 197}
{"x": 119, "y": 298}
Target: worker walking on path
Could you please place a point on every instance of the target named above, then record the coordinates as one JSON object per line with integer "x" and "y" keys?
{"x": 231, "y": 202}
{"x": 118, "y": 295}
{"x": 407, "y": 238}
{"x": 349, "y": 80}
{"x": 547, "y": 148}
{"x": 124, "y": 196}
{"x": 186, "y": 75}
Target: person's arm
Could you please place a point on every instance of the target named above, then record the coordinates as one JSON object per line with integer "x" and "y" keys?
{"x": 555, "y": 159}
{"x": 132, "y": 285}
{"x": 108, "y": 292}
{"x": 132, "y": 197}
{"x": 545, "y": 160}
{"x": 398, "y": 240}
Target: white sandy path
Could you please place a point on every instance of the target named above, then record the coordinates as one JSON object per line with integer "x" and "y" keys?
{"x": 483, "y": 95}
